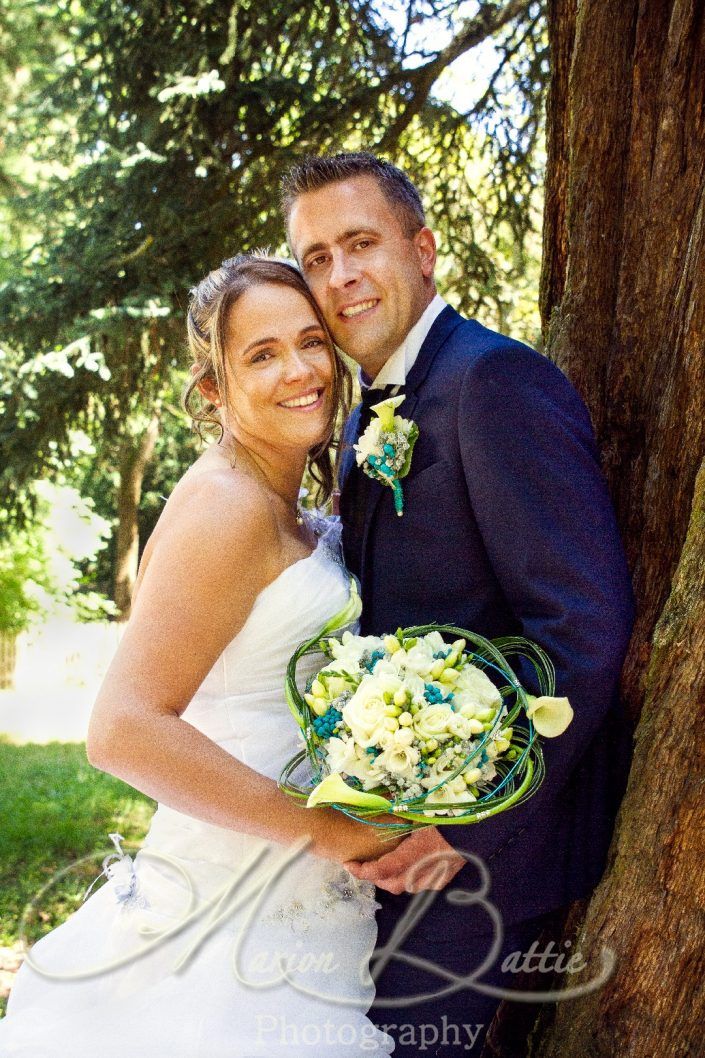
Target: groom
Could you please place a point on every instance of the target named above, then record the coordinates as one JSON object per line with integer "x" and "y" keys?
{"x": 507, "y": 529}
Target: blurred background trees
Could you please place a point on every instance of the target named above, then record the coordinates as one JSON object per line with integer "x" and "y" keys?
{"x": 145, "y": 142}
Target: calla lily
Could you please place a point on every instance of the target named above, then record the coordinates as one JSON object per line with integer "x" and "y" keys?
{"x": 350, "y": 612}
{"x": 550, "y": 716}
{"x": 385, "y": 410}
{"x": 334, "y": 790}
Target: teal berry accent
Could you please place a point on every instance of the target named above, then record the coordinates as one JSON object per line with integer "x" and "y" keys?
{"x": 374, "y": 657}
{"x": 384, "y": 472}
{"x": 325, "y": 725}
{"x": 434, "y": 695}
{"x": 398, "y": 498}
{"x": 380, "y": 466}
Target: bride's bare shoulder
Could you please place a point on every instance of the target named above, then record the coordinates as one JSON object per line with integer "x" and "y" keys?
{"x": 217, "y": 510}
{"x": 217, "y": 486}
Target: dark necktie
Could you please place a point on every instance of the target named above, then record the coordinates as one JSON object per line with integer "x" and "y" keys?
{"x": 369, "y": 397}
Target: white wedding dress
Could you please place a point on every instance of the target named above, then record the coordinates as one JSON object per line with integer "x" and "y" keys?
{"x": 273, "y": 963}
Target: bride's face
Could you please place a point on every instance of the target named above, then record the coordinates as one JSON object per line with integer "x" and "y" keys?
{"x": 280, "y": 369}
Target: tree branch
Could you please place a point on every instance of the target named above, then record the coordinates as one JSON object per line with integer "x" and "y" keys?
{"x": 488, "y": 20}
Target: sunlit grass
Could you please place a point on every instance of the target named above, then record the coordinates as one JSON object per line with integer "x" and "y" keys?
{"x": 57, "y": 809}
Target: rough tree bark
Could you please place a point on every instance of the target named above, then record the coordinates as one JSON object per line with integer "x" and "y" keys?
{"x": 136, "y": 450}
{"x": 623, "y": 301}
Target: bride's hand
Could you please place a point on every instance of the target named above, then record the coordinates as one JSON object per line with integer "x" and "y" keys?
{"x": 345, "y": 839}
{"x": 424, "y": 861}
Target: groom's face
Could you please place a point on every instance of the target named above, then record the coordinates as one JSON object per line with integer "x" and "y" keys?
{"x": 371, "y": 278}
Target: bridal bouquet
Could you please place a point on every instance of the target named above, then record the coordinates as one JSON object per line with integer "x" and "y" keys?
{"x": 412, "y": 724}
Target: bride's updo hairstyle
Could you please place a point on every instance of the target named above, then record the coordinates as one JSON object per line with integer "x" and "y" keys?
{"x": 210, "y": 306}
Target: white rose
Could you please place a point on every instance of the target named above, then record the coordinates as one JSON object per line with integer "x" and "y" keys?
{"x": 433, "y": 721}
{"x": 464, "y": 703}
{"x": 477, "y": 688}
{"x": 365, "y": 713}
{"x": 472, "y": 710}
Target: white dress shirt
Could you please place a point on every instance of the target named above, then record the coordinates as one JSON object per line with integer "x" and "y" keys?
{"x": 400, "y": 363}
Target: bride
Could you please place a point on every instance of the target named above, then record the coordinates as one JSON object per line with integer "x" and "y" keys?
{"x": 236, "y": 932}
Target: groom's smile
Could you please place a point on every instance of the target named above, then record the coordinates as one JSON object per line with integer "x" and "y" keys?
{"x": 352, "y": 311}
{"x": 371, "y": 276}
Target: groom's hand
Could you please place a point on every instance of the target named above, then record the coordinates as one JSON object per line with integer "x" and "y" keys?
{"x": 424, "y": 860}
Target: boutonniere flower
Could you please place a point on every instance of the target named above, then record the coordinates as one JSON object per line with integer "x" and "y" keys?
{"x": 384, "y": 449}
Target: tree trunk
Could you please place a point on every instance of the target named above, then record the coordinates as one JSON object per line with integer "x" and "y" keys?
{"x": 136, "y": 450}
{"x": 650, "y": 907}
{"x": 8, "y": 659}
{"x": 623, "y": 304}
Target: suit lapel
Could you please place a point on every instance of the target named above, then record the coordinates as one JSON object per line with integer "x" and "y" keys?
{"x": 441, "y": 330}
{"x": 443, "y": 327}
{"x": 347, "y": 456}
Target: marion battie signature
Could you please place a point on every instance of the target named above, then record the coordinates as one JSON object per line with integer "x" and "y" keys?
{"x": 244, "y": 897}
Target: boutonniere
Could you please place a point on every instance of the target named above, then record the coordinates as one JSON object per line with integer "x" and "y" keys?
{"x": 384, "y": 449}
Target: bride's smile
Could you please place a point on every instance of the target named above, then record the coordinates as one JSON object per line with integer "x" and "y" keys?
{"x": 280, "y": 370}
{"x": 307, "y": 400}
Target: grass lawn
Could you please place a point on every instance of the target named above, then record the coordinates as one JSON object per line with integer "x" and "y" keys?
{"x": 56, "y": 809}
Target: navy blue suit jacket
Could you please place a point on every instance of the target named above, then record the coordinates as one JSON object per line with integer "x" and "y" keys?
{"x": 508, "y": 528}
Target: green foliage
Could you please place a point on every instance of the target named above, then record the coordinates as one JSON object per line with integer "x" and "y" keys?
{"x": 23, "y": 570}
{"x": 40, "y": 562}
{"x": 93, "y": 473}
{"x": 157, "y": 135}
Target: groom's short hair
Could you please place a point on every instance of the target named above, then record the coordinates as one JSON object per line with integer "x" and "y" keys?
{"x": 315, "y": 172}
